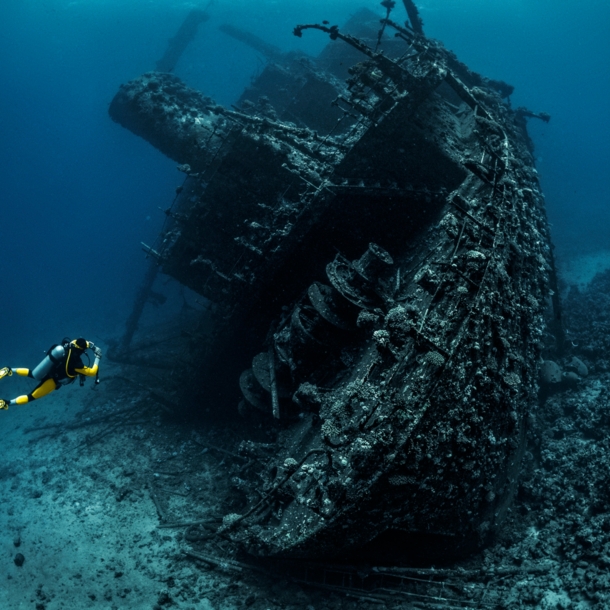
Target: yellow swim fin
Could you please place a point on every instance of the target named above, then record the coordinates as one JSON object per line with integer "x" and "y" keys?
{"x": 4, "y": 404}
{"x": 4, "y": 371}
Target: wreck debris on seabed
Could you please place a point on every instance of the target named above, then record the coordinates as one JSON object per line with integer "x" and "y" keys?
{"x": 379, "y": 276}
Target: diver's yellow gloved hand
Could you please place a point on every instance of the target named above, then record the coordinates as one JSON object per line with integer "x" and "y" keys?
{"x": 4, "y": 404}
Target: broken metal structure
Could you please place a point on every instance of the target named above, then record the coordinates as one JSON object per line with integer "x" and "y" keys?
{"x": 380, "y": 270}
{"x": 179, "y": 43}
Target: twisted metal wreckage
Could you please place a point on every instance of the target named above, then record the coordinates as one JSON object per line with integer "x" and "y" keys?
{"x": 378, "y": 257}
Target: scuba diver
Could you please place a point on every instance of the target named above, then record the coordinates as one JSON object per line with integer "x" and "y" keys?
{"x": 61, "y": 366}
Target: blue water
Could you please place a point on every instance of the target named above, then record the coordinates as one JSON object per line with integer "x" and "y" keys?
{"x": 78, "y": 193}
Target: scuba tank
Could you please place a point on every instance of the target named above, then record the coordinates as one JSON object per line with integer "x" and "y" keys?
{"x": 54, "y": 355}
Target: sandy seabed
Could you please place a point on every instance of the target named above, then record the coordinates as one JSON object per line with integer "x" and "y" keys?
{"x": 79, "y": 508}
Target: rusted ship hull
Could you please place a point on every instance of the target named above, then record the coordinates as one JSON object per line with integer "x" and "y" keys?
{"x": 403, "y": 368}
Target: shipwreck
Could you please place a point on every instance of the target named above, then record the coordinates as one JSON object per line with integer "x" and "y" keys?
{"x": 369, "y": 227}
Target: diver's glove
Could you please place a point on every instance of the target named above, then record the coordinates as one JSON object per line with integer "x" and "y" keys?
{"x": 4, "y": 404}
{"x": 98, "y": 352}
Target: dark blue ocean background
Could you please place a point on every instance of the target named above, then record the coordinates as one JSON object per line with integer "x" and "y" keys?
{"x": 78, "y": 193}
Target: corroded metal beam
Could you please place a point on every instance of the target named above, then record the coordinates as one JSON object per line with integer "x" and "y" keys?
{"x": 178, "y": 44}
